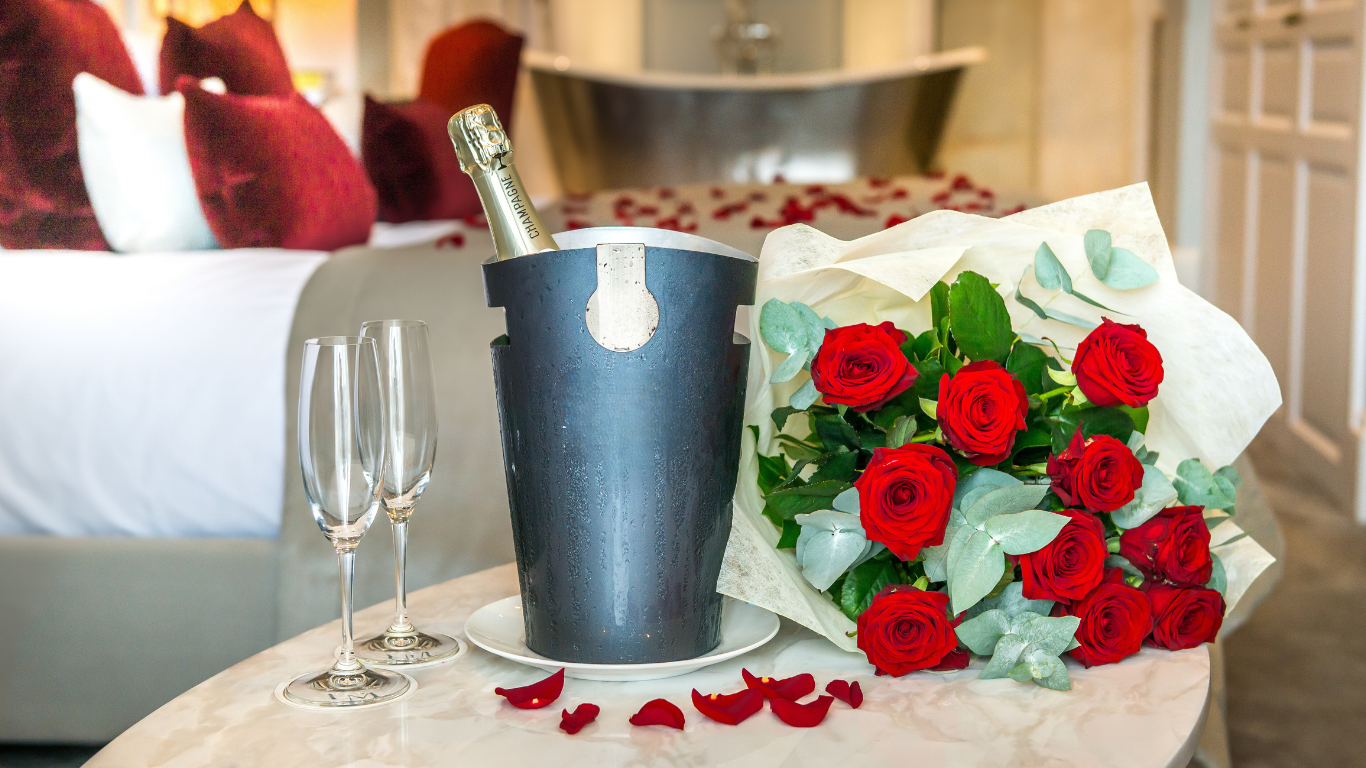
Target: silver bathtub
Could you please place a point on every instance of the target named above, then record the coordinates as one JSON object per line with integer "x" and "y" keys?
{"x": 613, "y": 129}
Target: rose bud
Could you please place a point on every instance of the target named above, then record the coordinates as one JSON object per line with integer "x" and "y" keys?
{"x": 659, "y": 712}
{"x": 980, "y": 409}
{"x": 905, "y": 496}
{"x": 1099, "y": 473}
{"x": 1116, "y": 365}
{"x": 791, "y": 688}
{"x": 862, "y": 366}
{"x": 1172, "y": 547}
{"x": 573, "y": 722}
{"x": 730, "y": 709}
{"x": 955, "y": 660}
{"x": 1115, "y": 618}
{"x": 1185, "y": 618}
{"x": 905, "y": 629}
{"x": 801, "y": 715}
{"x": 847, "y": 692}
{"x": 536, "y": 695}
{"x": 1069, "y": 566}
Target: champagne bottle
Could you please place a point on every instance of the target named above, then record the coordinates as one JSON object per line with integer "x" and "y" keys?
{"x": 486, "y": 155}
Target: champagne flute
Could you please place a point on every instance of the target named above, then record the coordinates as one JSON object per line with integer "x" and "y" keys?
{"x": 342, "y": 455}
{"x": 409, "y": 395}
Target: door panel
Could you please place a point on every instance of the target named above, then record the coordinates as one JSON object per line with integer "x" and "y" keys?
{"x": 1270, "y": 301}
{"x": 1280, "y": 81}
{"x": 1326, "y": 336}
{"x": 1232, "y": 201}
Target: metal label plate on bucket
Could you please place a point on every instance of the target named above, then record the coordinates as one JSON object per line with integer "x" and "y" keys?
{"x": 621, "y": 315}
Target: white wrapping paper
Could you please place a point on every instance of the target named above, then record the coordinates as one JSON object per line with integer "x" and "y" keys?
{"x": 1217, "y": 391}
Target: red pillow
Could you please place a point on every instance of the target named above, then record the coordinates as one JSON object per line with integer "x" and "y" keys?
{"x": 240, "y": 48}
{"x": 44, "y": 44}
{"x": 272, "y": 172}
{"x": 412, "y": 164}
{"x": 474, "y": 63}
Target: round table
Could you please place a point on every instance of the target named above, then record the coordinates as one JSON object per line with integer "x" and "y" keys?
{"x": 1148, "y": 710}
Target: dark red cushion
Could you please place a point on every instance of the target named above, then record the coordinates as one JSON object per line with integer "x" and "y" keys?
{"x": 44, "y": 44}
{"x": 474, "y": 63}
{"x": 240, "y": 48}
{"x": 412, "y": 164}
{"x": 272, "y": 172}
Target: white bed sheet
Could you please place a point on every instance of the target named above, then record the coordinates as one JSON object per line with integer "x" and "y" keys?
{"x": 143, "y": 395}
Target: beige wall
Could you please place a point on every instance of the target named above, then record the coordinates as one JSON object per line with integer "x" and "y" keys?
{"x": 882, "y": 32}
{"x": 1062, "y": 107}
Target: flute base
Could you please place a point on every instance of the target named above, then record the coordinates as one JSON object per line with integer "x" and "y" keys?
{"x": 356, "y": 688}
{"x": 406, "y": 649}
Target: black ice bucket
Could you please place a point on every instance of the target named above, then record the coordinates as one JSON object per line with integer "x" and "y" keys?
{"x": 621, "y": 388}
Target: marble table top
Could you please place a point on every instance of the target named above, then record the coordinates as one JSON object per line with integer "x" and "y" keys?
{"x": 1148, "y": 710}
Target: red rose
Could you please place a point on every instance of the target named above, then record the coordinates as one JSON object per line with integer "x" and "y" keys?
{"x": 1069, "y": 566}
{"x": 905, "y": 496}
{"x": 1116, "y": 364}
{"x": 862, "y": 366}
{"x": 980, "y": 410}
{"x": 906, "y": 629}
{"x": 1099, "y": 473}
{"x": 1115, "y": 618}
{"x": 1171, "y": 547}
{"x": 1185, "y": 618}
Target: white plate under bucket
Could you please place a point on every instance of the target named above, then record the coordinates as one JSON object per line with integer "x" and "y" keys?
{"x": 498, "y": 628}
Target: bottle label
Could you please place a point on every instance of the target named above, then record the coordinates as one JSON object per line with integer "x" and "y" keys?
{"x": 523, "y": 213}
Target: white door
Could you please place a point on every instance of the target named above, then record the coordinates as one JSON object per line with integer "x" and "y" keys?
{"x": 1287, "y": 229}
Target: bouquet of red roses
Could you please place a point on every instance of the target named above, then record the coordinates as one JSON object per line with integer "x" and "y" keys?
{"x": 972, "y": 490}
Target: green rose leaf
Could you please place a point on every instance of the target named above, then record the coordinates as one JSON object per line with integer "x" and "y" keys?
{"x": 1027, "y": 363}
{"x": 1049, "y": 271}
{"x": 834, "y": 432}
{"x": 841, "y": 466}
{"x": 1155, "y": 495}
{"x": 782, "y": 327}
{"x": 928, "y": 373}
{"x": 1196, "y": 485}
{"x": 1005, "y": 501}
{"x": 901, "y": 432}
{"x": 978, "y": 569}
{"x": 781, "y": 415}
{"x": 981, "y": 633}
{"x": 799, "y": 500}
{"x": 804, "y": 396}
{"x": 939, "y": 304}
{"x": 930, "y": 407}
{"x": 863, "y": 583}
{"x": 978, "y": 319}
{"x": 1024, "y": 532}
{"x": 829, "y": 543}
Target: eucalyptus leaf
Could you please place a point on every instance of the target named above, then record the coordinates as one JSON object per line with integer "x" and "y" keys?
{"x": 1064, "y": 317}
{"x": 981, "y": 633}
{"x": 1196, "y": 485}
{"x": 936, "y": 562}
{"x": 1004, "y": 501}
{"x": 1230, "y": 473}
{"x": 1005, "y": 658}
{"x": 1122, "y": 563}
{"x": 782, "y": 327}
{"x": 847, "y": 502}
{"x": 1155, "y": 495}
{"x": 874, "y": 549}
{"x": 984, "y": 477}
{"x": 978, "y": 319}
{"x": 1049, "y": 271}
{"x": 1023, "y": 532}
{"x": 1136, "y": 441}
{"x": 956, "y": 544}
{"x": 1218, "y": 580}
{"x": 978, "y": 569}
{"x": 790, "y": 367}
{"x": 1025, "y": 300}
{"x": 1127, "y": 271}
{"x": 815, "y": 326}
{"x": 1097, "y": 244}
{"x": 1013, "y": 602}
{"x": 972, "y": 497}
{"x": 1051, "y": 634}
{"x": 1058, "y": 680}
{"x": 804, "y": 396}
{"x": 830, "y": 542}
{"x": 1094, "y": 303}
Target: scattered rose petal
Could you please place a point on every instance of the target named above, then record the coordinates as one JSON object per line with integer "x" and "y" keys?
{"x": 878, "y": 182}
{"x": 940, "y": 198}
{"x": 849, "y": 693}
{"x": 454, "y": 240}
{"x": 717, "y": 193}
{"x": 792, "y": 688}
{"x": 961, "y": 182}
{"x": 666, "y": 193}
{"x": 573, "y": 722}
{"x": 956, "y": 659}
{"x": 801, "y": 715}
{"x": 536, "y": 695}
{"x": 659, "y": 712}
{"x": 577, "y": 224}
{"x": 729, "y": 708}
{"x": 894, "y": 220}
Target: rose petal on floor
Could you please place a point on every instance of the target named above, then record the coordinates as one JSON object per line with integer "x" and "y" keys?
{"x": 849, "y": 693}
{"x": 573, "y": 722}
{"x": 791, "y": 688}
{"x": 732, "y": 708}
{"x": 659, "y": 712}
{"x": 801, "y": 715}
{"x": 536, "y": 695}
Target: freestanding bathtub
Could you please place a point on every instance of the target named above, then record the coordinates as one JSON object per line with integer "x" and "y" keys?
{"x": 632, "y": 129}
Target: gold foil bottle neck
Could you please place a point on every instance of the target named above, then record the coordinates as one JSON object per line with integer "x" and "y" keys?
{"x": 481, "y": 143}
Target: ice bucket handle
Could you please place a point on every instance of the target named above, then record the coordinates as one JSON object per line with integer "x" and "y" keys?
{"x": 622, "y": 315}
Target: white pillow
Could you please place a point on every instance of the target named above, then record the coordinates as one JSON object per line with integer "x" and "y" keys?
{"x": 137, "y": 170}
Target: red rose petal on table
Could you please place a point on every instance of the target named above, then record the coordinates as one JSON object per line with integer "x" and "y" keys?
{"x": 659, "y": 712}
{"x": 849, "y": 693}
{"x": 732, "y": 708}
{"x": 536, "y": 695}
{"x": 792, "y": 688}
{"x": 801, "y": 715}
{"x": 573, "y": 722}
